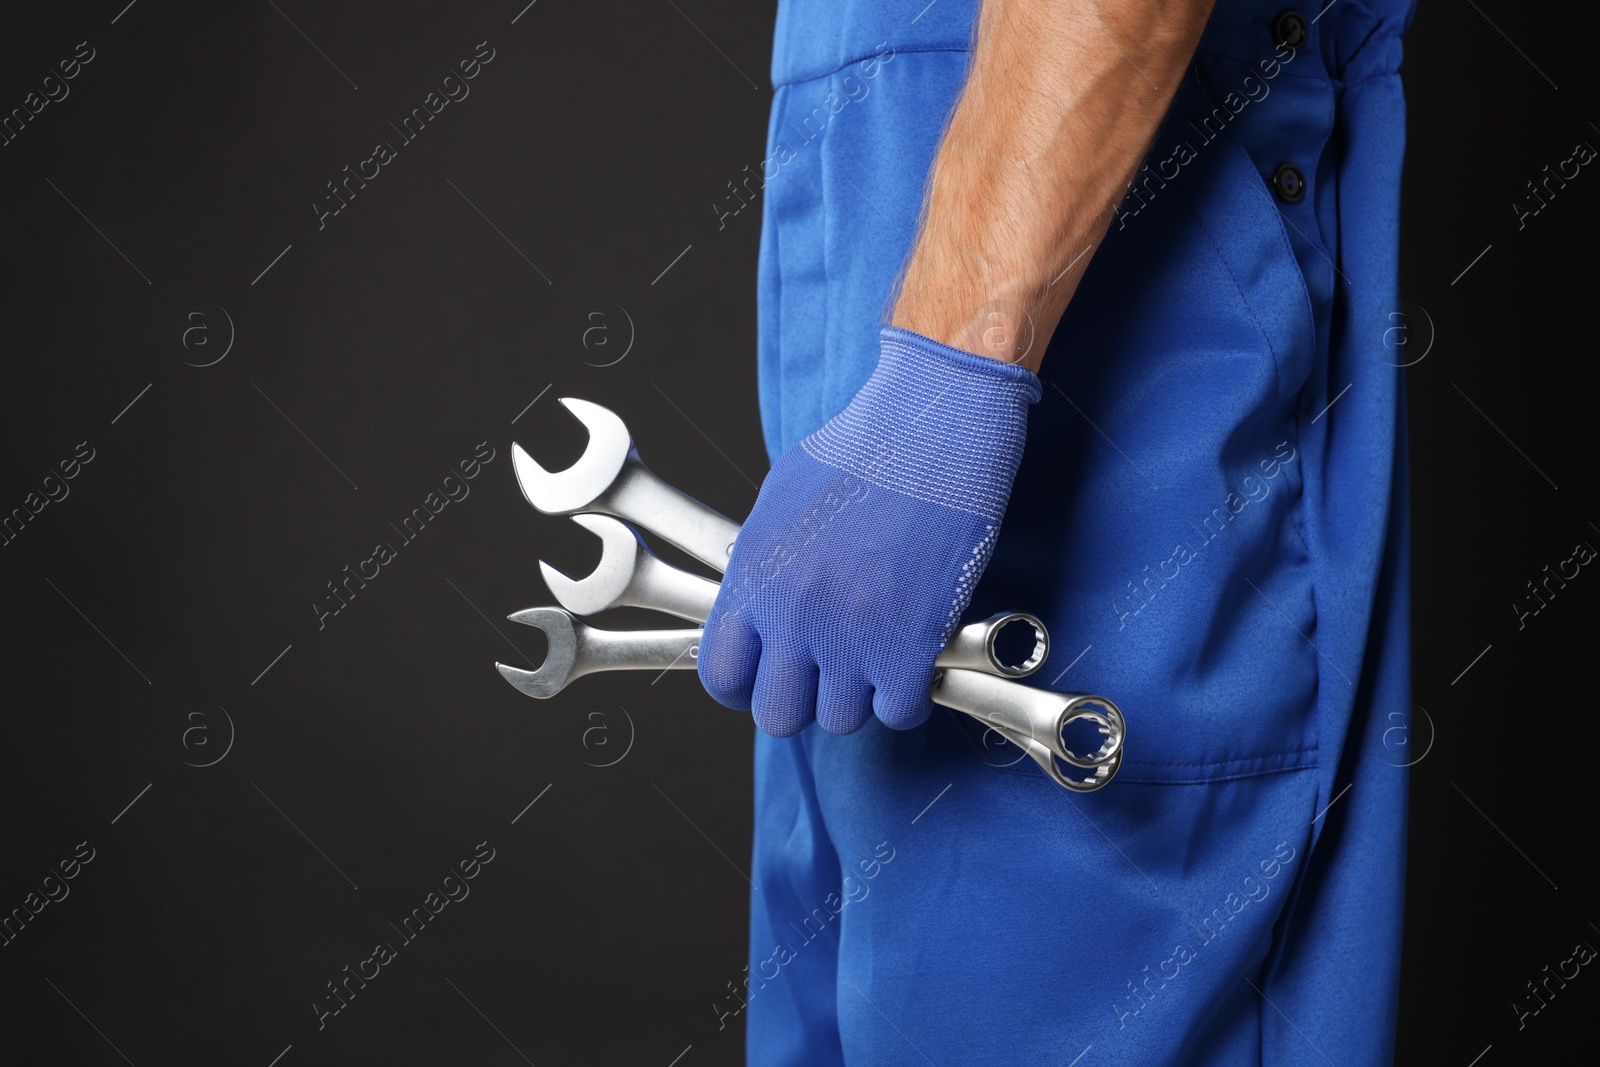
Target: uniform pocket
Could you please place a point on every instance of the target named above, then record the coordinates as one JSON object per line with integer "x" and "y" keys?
{"x": 1155, "y": 524}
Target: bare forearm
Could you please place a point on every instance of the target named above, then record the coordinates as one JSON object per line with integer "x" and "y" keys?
{"x": 1060, "y": 105}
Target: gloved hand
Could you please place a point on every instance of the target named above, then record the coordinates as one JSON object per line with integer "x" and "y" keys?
{"x": 865, "y": 543}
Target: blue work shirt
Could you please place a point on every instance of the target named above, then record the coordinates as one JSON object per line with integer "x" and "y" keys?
{"x": 1211, "y": 520}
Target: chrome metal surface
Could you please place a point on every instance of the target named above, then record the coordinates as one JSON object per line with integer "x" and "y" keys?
{"x": 610, "y": 479}
{"x": 972, "y": 647}
{"x": 1037, "y": 714}
{"x": 629, "y": 575}
{"x": 577, "y": 649}
{"x": 1032, "y": 719}
{"x": 609, "y": 482}
{"x": 1053, "y": 766}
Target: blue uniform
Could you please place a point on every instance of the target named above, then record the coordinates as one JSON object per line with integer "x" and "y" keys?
{"x": 1211, "y": 519}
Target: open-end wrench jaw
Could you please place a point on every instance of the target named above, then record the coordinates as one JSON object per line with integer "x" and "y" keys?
{"x": 559, "y": 659}
{"x": 608, "y": 585}
{"x": 580, "y": 485}
{"x": 610, "y": 479}
{"x": 629, "y": 575}
{"x": 577, "y": 649}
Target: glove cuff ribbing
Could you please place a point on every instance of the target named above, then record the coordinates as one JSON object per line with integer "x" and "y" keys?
{"x": 935, "y": 424}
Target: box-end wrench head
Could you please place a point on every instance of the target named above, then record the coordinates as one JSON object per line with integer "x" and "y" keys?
{"x": 973, "y": 647}
{"x": 576, "y": 650}
{"x": 1074, "y": 780}
{"x": 1040, "y": 715}
{"x": 610, "y": 479}
{"x": 629, "y": 575}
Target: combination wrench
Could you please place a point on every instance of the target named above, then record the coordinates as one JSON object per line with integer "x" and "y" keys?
{"x": 630, "y": 575}
{"x": 610, "y": 482}
{"x": 610, "y": 479}
{"x": 1021, "y": 714}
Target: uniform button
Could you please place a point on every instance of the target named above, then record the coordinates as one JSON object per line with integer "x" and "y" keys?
{"x": 1289, "y": 183}
{"x": 1290, "y": 30}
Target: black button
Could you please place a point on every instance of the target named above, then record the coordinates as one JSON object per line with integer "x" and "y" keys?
{"x": 1289, "y": 183}
{"x": 1290, "y": 30}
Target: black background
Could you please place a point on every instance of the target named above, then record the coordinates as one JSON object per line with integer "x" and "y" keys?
{"x": 557, "y": 217}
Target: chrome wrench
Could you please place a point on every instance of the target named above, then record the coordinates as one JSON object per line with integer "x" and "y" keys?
{"x": 1036, "y": 720}
{"x": 610, "y": 479}
{"x": 630, "y": 575}
{"x": 577, "y": 649}
{"x": 1032, "y": 719}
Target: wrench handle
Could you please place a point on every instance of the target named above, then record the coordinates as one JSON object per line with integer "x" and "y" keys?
{"x": 636, "y": 650}
{"x": 1018, "y": 709}
{"x": 662, "y": 587}
{"x": 640, "y": 497}
{"x": 1038, "y": 715}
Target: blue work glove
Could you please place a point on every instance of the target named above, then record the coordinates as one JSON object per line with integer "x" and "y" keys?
{"x": 865, "y": 543}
